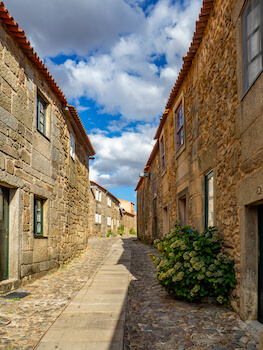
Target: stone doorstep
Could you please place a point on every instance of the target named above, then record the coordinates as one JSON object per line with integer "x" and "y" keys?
{"x": 10, "y": 284}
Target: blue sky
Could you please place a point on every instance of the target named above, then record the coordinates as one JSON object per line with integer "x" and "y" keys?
{"x": 116, "y": 61}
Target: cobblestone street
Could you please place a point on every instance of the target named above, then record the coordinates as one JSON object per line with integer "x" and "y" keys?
{"x": 154, "y": 320}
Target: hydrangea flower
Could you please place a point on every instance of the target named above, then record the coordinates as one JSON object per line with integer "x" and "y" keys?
{"x": 186, "y": 256}
{"x": 177, "y": 265}
{"x": 212, "y": 267}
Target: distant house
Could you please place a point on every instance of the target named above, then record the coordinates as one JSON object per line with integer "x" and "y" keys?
{"x": 105, "y": 209}
{"x": 128, "y": 216}
{"x": 109, "y": 213}
{"x": 207, "y": 165}
{"x": 44, "y": 165}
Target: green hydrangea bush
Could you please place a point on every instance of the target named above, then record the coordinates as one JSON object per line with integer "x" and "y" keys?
{"x": 191, "y": 265}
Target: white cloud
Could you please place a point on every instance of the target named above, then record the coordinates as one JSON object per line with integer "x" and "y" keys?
{"x": 120, "y": 159}
{"x": 126, "y": 80}
{"x": 63, "y": 26}
{"x": 117, "y": 47}
{"x": 116, "y": 43}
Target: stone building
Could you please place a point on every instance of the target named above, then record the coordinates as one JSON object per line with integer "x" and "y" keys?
{"x": 44, "y": 165}
{"x": 127, "y": 216}
{"x": 105, "y": 209}
{"x": 207, "y": 165}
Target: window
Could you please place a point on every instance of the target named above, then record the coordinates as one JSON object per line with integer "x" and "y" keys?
{"x": 162, "y": 154}
{"x": 109, "y": 201}
{"x": 209, "y": 199}
{"x": 154, "y": 189}
{"x": 98, "y": 195}
{"x": 179, "y": 120}
{"x": 38, "y": 217}
{"x": 183, "y": 207}
{"x": 41, "y": 115}
{"x": 252, "y": 42}
{"x": 109, "y": 221}
{"x": 72, "y": 146}
{"x": 98, "y": 218}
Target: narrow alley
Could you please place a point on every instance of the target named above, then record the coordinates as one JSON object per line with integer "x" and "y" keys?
{"x": 154, "y": 320}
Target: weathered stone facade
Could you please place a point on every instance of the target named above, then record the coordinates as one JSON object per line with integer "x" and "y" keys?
{"x": 38, "y": 165}
{"x": 105, "y": 209}
{"x": 127, "y": 216}
{"x": 222, "y": 129}
{"x": 109, "y": 213}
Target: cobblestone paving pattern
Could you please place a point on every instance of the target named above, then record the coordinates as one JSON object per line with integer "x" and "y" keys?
{"x": 155, "y": 320}
{"x": 33, "y": 315}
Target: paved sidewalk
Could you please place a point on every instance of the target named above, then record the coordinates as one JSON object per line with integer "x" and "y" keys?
{"x": 94, "y": 319}
{"x": 31, "y": 316}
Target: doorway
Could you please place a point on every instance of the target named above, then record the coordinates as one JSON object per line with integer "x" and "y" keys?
{"x": 260, "y": 263}
{"x": 4, "y": 232}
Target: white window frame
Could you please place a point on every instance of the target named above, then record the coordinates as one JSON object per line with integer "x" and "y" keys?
{"x": 72, "y": 146}
{"x": 249, "y": 40}
{"x": 109, "y": 221}
{"x": 109, "y": 201}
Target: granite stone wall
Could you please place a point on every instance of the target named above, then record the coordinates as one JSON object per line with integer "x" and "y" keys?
{"x": 32, "y": 164}
{"x": 222, "y": 129}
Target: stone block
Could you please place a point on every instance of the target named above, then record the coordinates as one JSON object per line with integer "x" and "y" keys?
{"x": 22, "y": 94}
{"x": 18, "y": 164}
{"x": 251, "y": 139}
{"x": 29, "y": 84}
{"x": 29, "y": 136}
{"x": 23, "y": 175}
{"x": 40, "y": 252}
{"x": 5, "y": 102}
{"x": 207, "y": 160}
{"x": 2, "y": 162}
{"x": 11, "y": 62}
{"x": 27, "y": 258}
{"x": 6, "y": 118}
{"x": 8, "y": 76}
{"x": 21, "y": 112}
{"x": 6, "y": 89}
{"x": 41, "y": 163}
{"x": 21, "y": 129}
{"x": 10, "y": 166}
{"x": 25, "y": 156}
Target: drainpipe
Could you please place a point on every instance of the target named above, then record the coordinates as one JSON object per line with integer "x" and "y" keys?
{"x": 105, "y": 212}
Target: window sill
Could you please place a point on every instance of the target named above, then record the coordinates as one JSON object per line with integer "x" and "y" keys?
{"x": 163, "y": 172}
{"x": 40, "y": 237}
{"x": 180, "y": 150}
